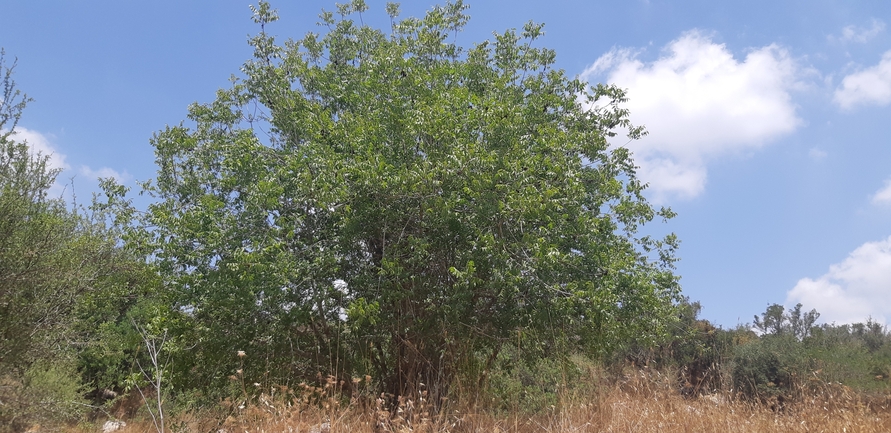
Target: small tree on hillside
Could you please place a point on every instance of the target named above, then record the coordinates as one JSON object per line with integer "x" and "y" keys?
{"x": 776, "y": 321}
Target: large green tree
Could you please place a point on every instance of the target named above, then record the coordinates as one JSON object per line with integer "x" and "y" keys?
{"x": 389, "y": 202}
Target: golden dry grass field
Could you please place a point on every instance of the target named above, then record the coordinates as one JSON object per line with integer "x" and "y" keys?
{"x": 640, "y": 402}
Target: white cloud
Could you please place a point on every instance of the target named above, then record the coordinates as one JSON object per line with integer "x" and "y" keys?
{"x": 104, "y": 172}
{"x": 853, "y": 290}
{"x": 41, "y": 143}
{"x": 684, "y": 181}
{"x": 883, "y": 196}
{"x": 38, "y": 142}
{"x": 699, "y": 102}
{"x": 869, "y": 86}
{"x": 816, "y": 154}
{"x": 860, "y": 35}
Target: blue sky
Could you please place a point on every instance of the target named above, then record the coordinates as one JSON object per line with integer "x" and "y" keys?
{"x": 769, "y": 121}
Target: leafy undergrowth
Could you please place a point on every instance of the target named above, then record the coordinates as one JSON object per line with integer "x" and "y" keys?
{"x": 640, "y": 402}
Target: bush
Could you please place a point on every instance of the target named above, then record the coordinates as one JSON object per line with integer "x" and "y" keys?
{"x": 46, "y": 394}
{"x": 537, "y": 383}
{"x": 856, "y": 355}
{"x": 695, "y": 349}
{"x": 768, "y": 370}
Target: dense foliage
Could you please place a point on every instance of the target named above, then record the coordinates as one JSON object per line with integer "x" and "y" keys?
{"x": 392, "y": 204}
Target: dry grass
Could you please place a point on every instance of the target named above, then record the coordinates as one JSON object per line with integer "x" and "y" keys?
{"x": 640, "y": 402}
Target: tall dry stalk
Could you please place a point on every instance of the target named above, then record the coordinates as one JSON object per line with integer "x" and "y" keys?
{"x": 154, "y": 345}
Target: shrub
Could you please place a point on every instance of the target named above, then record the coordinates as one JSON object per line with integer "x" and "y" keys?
{"x": 533, "y": 384}
{"x": 45, "y": 394}
{"x": 768, "y": 370}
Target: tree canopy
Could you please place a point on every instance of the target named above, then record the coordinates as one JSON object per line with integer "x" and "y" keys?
{"x": 391, "y": 203}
